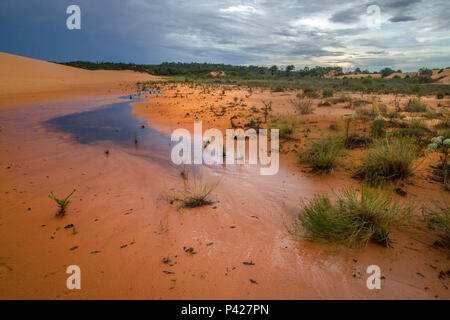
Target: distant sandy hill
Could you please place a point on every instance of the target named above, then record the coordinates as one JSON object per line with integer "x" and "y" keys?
{"x": 218, "y": 74}
{"x": 25, "y": 80}
{"x": 436, "y": 75}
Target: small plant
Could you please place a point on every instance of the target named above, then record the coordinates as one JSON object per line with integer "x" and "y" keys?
{"x": 288, "y": 128}
{"x": 266, "y": 109}
{"x": 387, "y": 161}
{"x": 310, "y": 93}
{"x": 442, "y": 144}
{"x": 327, "y": 93}
{"x": 303, "y": 106}
{"x": 378, "y": 128}
{"x": 438, "y": 219}
{"x": 322, "y": 155}
{"x": 324, "y": 104}
{"x": 352, "y": 220}
{"x": 252, "y": 123}
{"x": 415, "y": 105}
{"x": 195, "y": 194}
{"x": 278, "y": 88}
{"x": 348, "y": 119}
{"x": 440, "y": 95}
{"x": 333, "y": 127}
{"x": 62, "y": 203}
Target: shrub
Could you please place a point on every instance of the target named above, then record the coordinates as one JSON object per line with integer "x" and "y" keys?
{"x": 324, "y": 104}
{"x": 443, "y": 124}
{"x": 388, "y": 160}
{"x": 354, "y": 141}
{"x": 334, "y": 127}
{"x": 352, "y": 220}
{"x": 341, "y": 99}
{"x": 368, "y": 81}
{"x": 327, "y": 93}
{"x": 416, "y": 133}
{"x": 278, "y": 88}
{"x": 310, "y": 92}
{"x": 378, "y": 128}
{"x": 252, "y": 123}
{"x": 443, "y": 144}
{"x": 440, "y": 95}
{"x": 415, "y": 105}
{"x": 418, "y": 89}
{"x": 322, "y": 155}
{"x": 366, "y": 113}
{"x": 303, "y": 106}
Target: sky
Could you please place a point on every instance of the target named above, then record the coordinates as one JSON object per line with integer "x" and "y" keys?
{"x": 406, "y": 34}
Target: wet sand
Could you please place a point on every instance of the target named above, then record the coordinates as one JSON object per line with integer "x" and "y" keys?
{"x": 130, "y": 242}
{"x": 125, "y": 227}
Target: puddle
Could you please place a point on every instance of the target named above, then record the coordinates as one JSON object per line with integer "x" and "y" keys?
{"x": 115, "y": 123}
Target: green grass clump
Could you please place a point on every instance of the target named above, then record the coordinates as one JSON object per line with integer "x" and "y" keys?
{"x": 378, "y": 128}
{"x": 353, "y": 220}
{"x": 62, "y": 203}
{"x": 415, "y": 105}
{"x": 323, "y": 155}
{"x": 388, "y": 160}
{"x": 195, "y": 194}
{"x": 288, "y": 127}
{"x": 327, "y": 93}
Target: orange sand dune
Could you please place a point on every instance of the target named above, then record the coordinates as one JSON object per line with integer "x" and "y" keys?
{"x": 436, "y": 75}
{"x": 25, "y": 80}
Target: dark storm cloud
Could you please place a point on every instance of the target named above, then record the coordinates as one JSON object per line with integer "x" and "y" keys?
{"x": 401, "y": 4}
{"x": 402, "y": 19}
{"x": 300, "y": 32}
{"x": 347, "y": 16}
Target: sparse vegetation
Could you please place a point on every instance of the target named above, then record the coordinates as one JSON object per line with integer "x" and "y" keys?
{"x": 388, "y": 160}
{"x": 62, "y": 203}
{"x": 438, "y": 220}
{"x": 443, "y": 144}
{"x": 353, "y": 219}
{"x": 378, "y": 128}
{"x": 195, "y": 194}
{"x": 288, "y": 127}
{"x": 266, "y": 109}
{"x": 302, "y": 105}
{"x": 415, "y": 105}
{"x": 323, "y": 155}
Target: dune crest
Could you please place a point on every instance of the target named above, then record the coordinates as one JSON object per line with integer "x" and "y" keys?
{"x": 25, "y": 80}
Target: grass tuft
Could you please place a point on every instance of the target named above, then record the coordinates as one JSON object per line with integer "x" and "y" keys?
{"x": 195, "y": 194}
{"x": 438, "y": 220}
{"x": 353, "y": 220}
{"x": 415, "y": 105}
{"x": 323, "y": 155}
{"x": 387, "y": 161}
